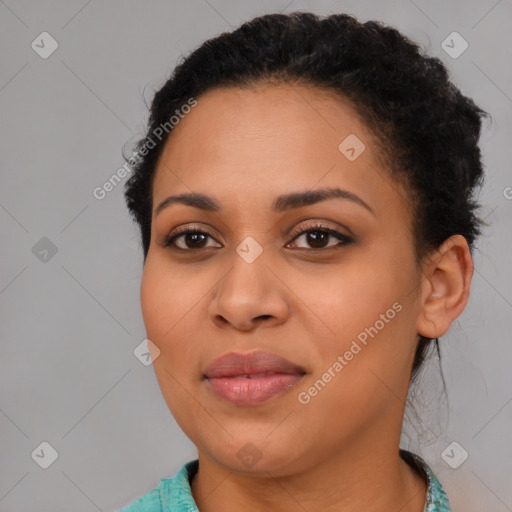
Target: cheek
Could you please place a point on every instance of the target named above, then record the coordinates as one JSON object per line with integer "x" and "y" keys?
{"x": 350, "y": 298}
{"x": 369, "y": 310}
{"x": 168, "y": 303}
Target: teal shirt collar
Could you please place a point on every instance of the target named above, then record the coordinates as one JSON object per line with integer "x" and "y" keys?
{"x": 436, "y": 501}
{"x": 175, "y": 495}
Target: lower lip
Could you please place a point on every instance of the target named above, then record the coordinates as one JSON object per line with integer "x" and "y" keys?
{"x": 243, "y": 391}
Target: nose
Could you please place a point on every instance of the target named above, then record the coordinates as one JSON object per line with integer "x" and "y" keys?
{"x": 250, "y": 295}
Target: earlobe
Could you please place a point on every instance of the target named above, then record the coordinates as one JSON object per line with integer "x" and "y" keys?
{"x": 445, "y": 290}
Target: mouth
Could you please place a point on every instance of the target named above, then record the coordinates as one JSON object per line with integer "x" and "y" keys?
{"x": 251, "y": 378}
{"x": 253, "y": 375}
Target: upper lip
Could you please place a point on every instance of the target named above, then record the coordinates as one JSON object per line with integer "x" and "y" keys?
{"x": 234, "y": 363}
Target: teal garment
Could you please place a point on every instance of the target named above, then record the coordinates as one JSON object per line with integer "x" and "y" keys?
{"x": 436, "y": 501}
{"x": 174, "y": 494}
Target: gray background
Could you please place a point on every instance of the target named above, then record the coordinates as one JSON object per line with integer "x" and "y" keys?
{"x": 69, "y": 324}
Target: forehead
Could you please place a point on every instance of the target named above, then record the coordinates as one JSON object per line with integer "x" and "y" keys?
{"x": 262, "y": 140}
{"x": 267, "y": 117}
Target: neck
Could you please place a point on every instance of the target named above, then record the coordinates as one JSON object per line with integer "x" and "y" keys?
{"x": 366, "y": 476}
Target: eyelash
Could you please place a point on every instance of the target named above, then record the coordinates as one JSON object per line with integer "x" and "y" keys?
{"x": 310, "y": 228}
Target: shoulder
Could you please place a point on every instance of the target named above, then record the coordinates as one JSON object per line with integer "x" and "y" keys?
{"x": 148, "y": 503}
{"x": 172, "y": 492}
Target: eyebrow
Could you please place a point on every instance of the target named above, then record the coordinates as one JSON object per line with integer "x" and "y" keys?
{"x": 280, "y": 204}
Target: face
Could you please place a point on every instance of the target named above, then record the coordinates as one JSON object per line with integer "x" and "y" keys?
{"x": 309, "y": 301}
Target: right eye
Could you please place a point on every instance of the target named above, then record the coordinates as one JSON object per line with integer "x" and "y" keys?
{"x": 188, "y": 239}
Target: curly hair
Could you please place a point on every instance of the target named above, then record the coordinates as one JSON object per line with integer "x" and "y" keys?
{"x": 427, "y": 129}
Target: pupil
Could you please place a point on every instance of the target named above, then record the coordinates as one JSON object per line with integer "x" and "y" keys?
{"x": 195, "y": 237}
{"x": 318, "y": 240}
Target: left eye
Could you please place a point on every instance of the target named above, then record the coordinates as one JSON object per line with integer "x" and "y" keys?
{"x": 317, "y": 238}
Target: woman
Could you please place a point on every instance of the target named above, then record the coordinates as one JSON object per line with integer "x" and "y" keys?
{"x": 305, "y": 195}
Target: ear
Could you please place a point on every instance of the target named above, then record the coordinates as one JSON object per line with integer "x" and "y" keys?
{"x": 445, "y": 288}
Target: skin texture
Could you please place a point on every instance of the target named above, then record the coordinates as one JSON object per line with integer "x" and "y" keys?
{"x": 244, "y": 147}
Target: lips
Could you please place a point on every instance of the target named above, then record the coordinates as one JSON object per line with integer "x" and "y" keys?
{"x": 252, "y": 378}
{"x": 253, "y": 363}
